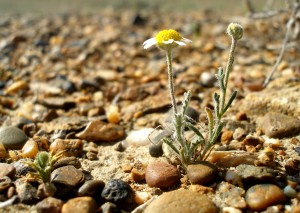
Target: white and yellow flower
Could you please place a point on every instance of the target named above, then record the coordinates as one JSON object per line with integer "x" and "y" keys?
{"x": 166, "y": 40}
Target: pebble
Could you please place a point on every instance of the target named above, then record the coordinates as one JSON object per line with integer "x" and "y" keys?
{"x": 228, "y": 209}
{"x": 259, "y": 197}
{"x": 202, "y": 173}
{"x": 161, "y": 175}
{"x": 5, "y": 183}
{"x": 3, "y": 152}
{"x": 71, "y": 147}
{"x": 138, "y": 137}
{"x": 155, "y": 150}
{"x": 99, "y": 131}
{"x": 67, "y": 161}
{"x": 137, "y": 175}
{"x": 109, "y": 207}
{"x": 16, "y": 87}
{"x": 255, "y": 173}
{"x": 231, "y": 158}
{"x": 30, "y": 149}
{"x": 67, "y": 175}
{"x": 7, "y": 170}
{"x": 118, "y": 192}
{"x": 233, "y": 178}
{"x": 230, "y": 195}
{"x": 141, "y": 197}
{"x": 276, "y": 125}
{"x": 207, "y": 79}
{"x": 27, "y": 193}
{"x": 49, "y": 205}
{"x": 58, "y": 103}
{"x": 79, "y": 204}
{"x": 22, "y": 168}
{"x": 226, "y": 137}
{"x": 113, "y": 114}
{"x": 181, "y": 200}
{"x": 289, "y": 191}
{"x": 12, "y": 137}
{"x": 91, "y": 188}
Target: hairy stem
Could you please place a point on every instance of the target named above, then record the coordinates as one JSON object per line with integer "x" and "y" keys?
{"x": 227, "y": 71}
{"x": 171, "y": 83}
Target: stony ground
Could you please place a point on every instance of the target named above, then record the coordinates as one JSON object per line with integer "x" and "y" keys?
{"x": 83, "y": 84}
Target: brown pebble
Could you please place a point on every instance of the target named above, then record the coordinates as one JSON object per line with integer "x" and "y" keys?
{"x": 260, "y": 196}
{"x": 137, "y": 174}
{"x": 79, "y": 204}
{"x": 180, "y": 201}
{"x": 161, "y": 175}
{"x": 70, "y": 147}
{"x": 127, "y": 168}
{"x": 241, "y": 116}
{"x": 49, "y": 205}
{"x": 202, "y": 173}
{"x": 7, "y": 170}
{"x": 226, "y": 137}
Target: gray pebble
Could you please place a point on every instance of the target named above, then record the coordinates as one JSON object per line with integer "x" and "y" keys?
{"x": 12, "y": 137}
{"x": 117, "y": 191}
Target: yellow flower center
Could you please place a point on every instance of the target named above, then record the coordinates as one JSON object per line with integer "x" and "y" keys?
{"x": 166, "y": 35}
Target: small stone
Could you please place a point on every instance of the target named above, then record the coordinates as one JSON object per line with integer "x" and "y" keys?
{"x": 228, "y": 209}
{"x": 67, "y": 161}
{"x": 207, "y": 79}
{"x": 289, "y": 191}
{"x": 71, "y": 147}
{"x": 226, "y": 137}
{"x": 241, "y": 116}
{"x": 127, "y": 168}
{"x": 252, "y": 141}
{"x": 161, "y": 175}
{"x": 233, "y": 178}
{"x": 67, "y": 175}
{"x": 109, "y": 207}
{"x": 7, "y": 170}
{"x": 137, "y": 174}
{"x": 22, "y": 169}
{"x": 98, "y": 131}
{"x": 231, "y": 195}
{"x": 3, "y": 152}
{"x": 202, "y": 173}
{"x": 155, "y": 150}
{"x": 30, "y": 149}
{"x": 80, "y": 204}
{"x": 255, "y": 173}
{"x": 16, "y": 87}
{"x": 113, "y": 114}
{"x": 231, "y": 158}
{"x": 180, "y": 201}
{"x": 27, "y": 193}
{"x": 276, "y": 125}
{"x": 5, "y": 183}
{"x": 49, "y": 205}
{"x": 292, "y": 166}
{"x": 138, "y": 137}
{"x": 91, "y": 188}
{"x": 118, "y": 192}
{"x": 141, "y": 197}
{"x": 12, "y": 137}
{"x": 260, "y": 196}
{"x": 58, "y": 103}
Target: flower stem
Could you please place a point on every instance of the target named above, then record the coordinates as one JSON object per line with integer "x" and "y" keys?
{"x": 171, "y": 83}
{"x": 227, "y": 71}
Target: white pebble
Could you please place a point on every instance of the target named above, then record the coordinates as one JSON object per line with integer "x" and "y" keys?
{"x": 138, "y": 137}
{"x": 231, "y": 210}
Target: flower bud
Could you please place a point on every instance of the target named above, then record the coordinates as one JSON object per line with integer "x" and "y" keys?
{"x": 235, "y": 31}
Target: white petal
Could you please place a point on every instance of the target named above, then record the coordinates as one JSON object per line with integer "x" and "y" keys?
{"x": 149, "y": 43}
{"x": 170, "y": 41}
{"x": 185, "y": 40}
{"x": 180, "y": 43}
